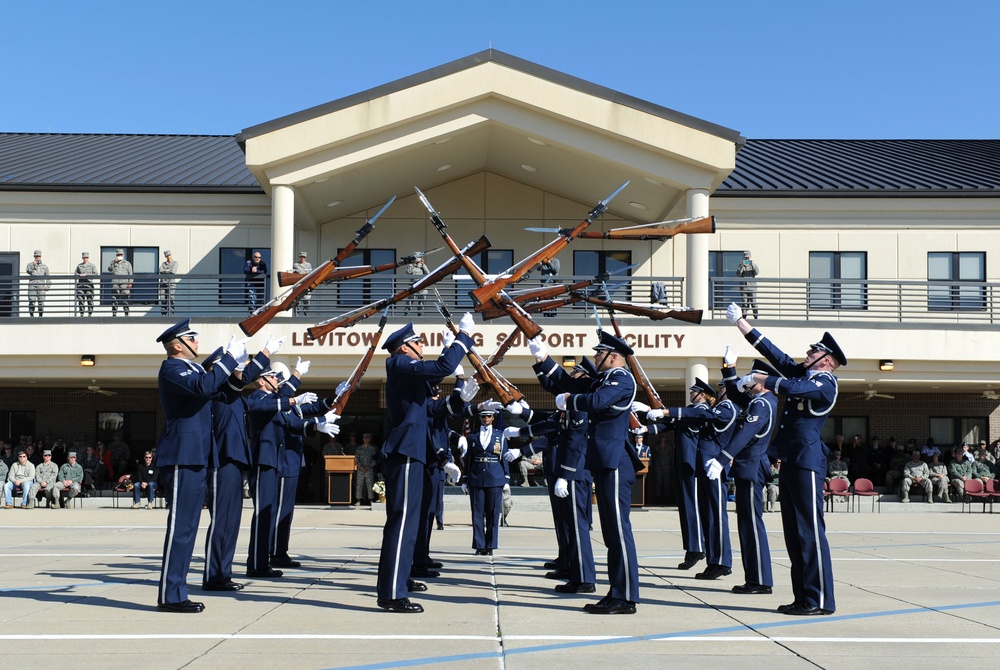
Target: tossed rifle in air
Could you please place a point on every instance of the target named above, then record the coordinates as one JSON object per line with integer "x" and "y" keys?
{"x": 506, "y": 391}
{"x": 306, "y": 283}
{"x": 572, "y": 297}
{"x": 685, "y": 315}
{"x": 355, "y": 381}
{"x": 446, "y": 269}
{"x": 499, "y": 299}
{"x": 633, "y": 364}
{"x": 526, "y": 296}
{"x": 491, "y": 289}
{"x": 646, "y": 231}
{"x": 497, "y": 357}
{"x": 348, "y": 272}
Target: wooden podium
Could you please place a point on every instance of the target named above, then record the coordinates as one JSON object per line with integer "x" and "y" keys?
{"x": 639, "y": 485}
{"x": 339, "y": 479}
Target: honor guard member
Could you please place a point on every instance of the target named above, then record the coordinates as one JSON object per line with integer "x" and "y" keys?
{"x": 404, "y": 451}
{"x": 184, "y": 450}
{"x": 85, "y": 270}
{"x": 486, "y": 473}
{"x": 716, "y": 422}
{"x": 571, "y": 483}
{"x": 751, "y": 469}
{"x": 610, "y": 458}
{"x": 38, "y": 283}
{"x": 303, "y": 267}
{"x": 230, "y": 460}
{"x": 811, "y": 391}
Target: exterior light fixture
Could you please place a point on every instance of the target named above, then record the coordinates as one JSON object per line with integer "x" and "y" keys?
{"x": 88, "y": 360}
{"x": 886, "y": 366}
{"x": 569, "y": 361}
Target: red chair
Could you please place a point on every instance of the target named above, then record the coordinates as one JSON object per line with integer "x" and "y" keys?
{"x": 974, "y": 491}
{"x": 993, "y": 488}
{"x": 836, "y": 487}
{"x": 863, "y": 488}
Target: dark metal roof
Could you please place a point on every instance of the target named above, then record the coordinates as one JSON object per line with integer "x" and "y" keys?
{"x": 879, "y": 168}
{"x": 187, "y": 163}
{"x": 512, "y": 62}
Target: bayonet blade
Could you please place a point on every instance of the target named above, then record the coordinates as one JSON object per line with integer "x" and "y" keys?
{"x": 617, "y": 191}
{"x": 382, "y": 211}
{"x": 427, "y": 203}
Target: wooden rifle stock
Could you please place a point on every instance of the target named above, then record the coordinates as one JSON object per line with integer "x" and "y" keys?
{"x": 341, "y": 400}
{"x": 640, "y": 375}
{"x": 502, "y": 350}
{"x": 546, "y": 292}
{"x": 686, "y": 315}
{"x": 261, "y": 317}
{"x": 341, "y": 273}
{"x": 506, "y": 391}
{"x": 535, "y": 307}
{"x": 698, "y": 226}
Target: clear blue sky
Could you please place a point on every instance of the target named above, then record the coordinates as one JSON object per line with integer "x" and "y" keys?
{"x": 875, "y": 69}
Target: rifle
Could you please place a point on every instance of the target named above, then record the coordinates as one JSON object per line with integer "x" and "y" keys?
{"x": 646, "y": 231}
{"x": 341, "y": 400}
{"x": 506, "y": 391}
{"x": 556, "y": 290}
{"x": 349, "y": 318}
{"x": 491, "y": 289}
{"x": 352, "y": 271}
{"x": 685, "y": 315}
{"x": 637, "y": 371}
{"x": 287, "y": 300}
{"x": 535, "y": 307}
{"x": 498, "y": 299}
{"x": 502, "y": 350}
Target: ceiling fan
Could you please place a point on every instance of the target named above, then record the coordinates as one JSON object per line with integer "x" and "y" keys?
{"x": 93, "y": 389}
{"x": 872, "y": 393}
{"x": 990, "y": 394}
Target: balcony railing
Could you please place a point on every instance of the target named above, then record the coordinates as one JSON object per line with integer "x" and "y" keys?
{"x": 227, "y": 296}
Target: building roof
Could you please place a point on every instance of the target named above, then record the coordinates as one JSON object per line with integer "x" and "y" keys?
{"x": 188, "y": 163}
{"x": 878, "y": 168}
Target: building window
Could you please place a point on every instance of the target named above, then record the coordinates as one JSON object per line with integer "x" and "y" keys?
{"x": 14, "y": 424}
{"x": 948, "y": 431}
{"x": 592, "y": 263}
{"x": 362, "y": 291}
{"x": 723, "y": 265}
{"x": 849, "y": 266}
{"x": 137, "y": 430}
{"x": 145, "y": 265}
{"x": 848, "y": 426}
{"x": 232, "y": 260}
{"x": 956, "y": 280}
{"x": 10, "y": 267}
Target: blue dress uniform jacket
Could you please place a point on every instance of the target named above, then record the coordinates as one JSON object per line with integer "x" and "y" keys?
{"x": 486, "y": 473}
{"x": 810, "y": 397}
{"x": 183, "y": 453}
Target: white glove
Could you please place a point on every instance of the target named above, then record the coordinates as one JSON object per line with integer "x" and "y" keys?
{"x": 730, "y": 357}
{"x": 734, "y": 312}
{"x": 639, "y": 407}
{"x": 273, "y": 343}
{"x": 470, "y": 390}
{"x": 713, "y": 469}
{"x": 465, "y": 489}
{"x": 342, "y": 388}
{"x": 745, "y": 382}
{"x": 242, "y": 366}
{"x": 463, "y": 445}
{"x": 514, "y": 409}
{"x": 561, "y": 400}
{"x": 305, "y": 398}
{"x": 468, "y": 324}
{"x": 640, "y": 430}
{"x": 301, "y": 366}
{"x": 506, "y": 488}
{"x": 238, "y": 350}
{"x": 447, "y": 338}
{"x": 510, "y": 432}
{"x": 561, "y": 488}
{"x": 328, "y": 424}
{"x": 452, "y": 472}
{"x": 512, "y": 454}
{"x": 524, "y": 405}
{"x": 654, "y": 415}
{"x": 537, "y": 349}
{"x": 459, "y": 371}
{"x": 490, "y": 405}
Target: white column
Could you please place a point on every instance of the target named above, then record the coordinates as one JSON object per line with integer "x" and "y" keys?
{"x": 282, "y": 236}
{"x": 696, "y": 279}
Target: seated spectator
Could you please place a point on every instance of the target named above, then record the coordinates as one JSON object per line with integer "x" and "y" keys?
{"x": 7, "y": 454}
{"x": 915, "y": 473}
{"x": 70, "y": 478}
{"x": 939, "y": 478}
{"x": 929, "y": 450}
{"x": 21, "y": 474}
{"x": 59, "y": 452}
{"x": 108, "y": 470}
{"x": 45, "y": 479}
{"x": 837, "y": 468}
{"x": 772, "y": 486}
{"x": 93, "y": 470}
{"x": 528, "y": 463}
{"x": 982, "y": 469}
{"x": 964, "y": 453}
{"x": 990, "y": 454}
{"x": 144, "y": 482}
{"x": 4, "y": 469}
{"x": 960, "y": 471}
{"x": 993, "y": 451}
{"x": 896, "y": 465}
{"x": 879, "y": 457}
{"x": 120, "y": 459}
{"x": 34, "y": 454}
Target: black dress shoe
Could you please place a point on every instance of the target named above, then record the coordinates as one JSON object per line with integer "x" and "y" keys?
{"x": 714, "y": 572}
{"x": 222, "y": 586}
{"x": 424, "y": 572}
{"x": 612, "y": 606}
{"x": 806, "y": 610}
{"x": 283, "y": 562}
{"x": 440, "y": 526}
{"x": 186, "y": 607}
{"x": 576, "y": 587}
{"x": 267, "y": 573}
{"x": 557, "y": 574}
{"x": 550, "y": 565}
{"x": 400, "y": 605}
{"x": 484, "y": 552}
{"x": 434, "y": 565}
{"x": 784, "y": 608}
{"x": 600, "y": 603}
{"x": 415, "y": 585}
{"x": 753, "y": 589}
{"x": 691, "y": 558}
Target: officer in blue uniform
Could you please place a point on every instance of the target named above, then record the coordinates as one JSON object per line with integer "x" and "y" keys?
{"x": 611, "y": 460}
{"x": 751, "y": 469}
{"x": 184, "y": 451}
{"x": 404, "y": 451}
{"x": 229, "y": 460}
{"x": 486, "y": 473}
{"x": 811, "y": 392}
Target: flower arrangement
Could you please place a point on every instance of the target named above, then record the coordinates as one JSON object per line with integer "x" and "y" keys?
{"x": 379, "y": 488}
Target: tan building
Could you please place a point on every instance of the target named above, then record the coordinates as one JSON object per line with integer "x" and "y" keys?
{"x": 893, "y": 246}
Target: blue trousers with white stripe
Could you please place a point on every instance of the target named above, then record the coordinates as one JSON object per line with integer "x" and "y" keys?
{"x": 264, "y": 491}
{"x": 225, "y": 504}
{"x": 712, "y": 499}
{"x": 285, "y": 508}
{"x": 801, "y": 493}
{"x": 487, "y": 507}
{"x": 576, "y": 521}
{"x": 404, "y": 488}
{"x": 184, "y": 487}
{"x": 614, "y": 505}
{"x": 755, "y": 551}
{"x": 687, "y": 509}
